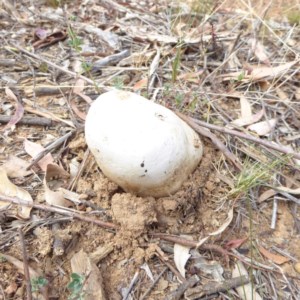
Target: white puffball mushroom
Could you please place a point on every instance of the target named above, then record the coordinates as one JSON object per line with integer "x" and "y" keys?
{"x": 142, "y": 146}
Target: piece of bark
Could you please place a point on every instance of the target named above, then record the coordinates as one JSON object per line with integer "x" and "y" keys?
{"x": 177, "y": 294}
{"x": 28, "y": 121}
{"x": 101, "y": 252}
{"x": 215, "y": 287}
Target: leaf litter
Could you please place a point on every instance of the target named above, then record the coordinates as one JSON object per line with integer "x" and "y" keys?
{"x": 194, "y": 59}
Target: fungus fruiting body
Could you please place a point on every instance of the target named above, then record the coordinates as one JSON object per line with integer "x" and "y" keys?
{"x": 142, "y": 146}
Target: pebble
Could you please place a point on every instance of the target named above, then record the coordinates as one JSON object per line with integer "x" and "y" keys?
{"x": 297, "y": 267}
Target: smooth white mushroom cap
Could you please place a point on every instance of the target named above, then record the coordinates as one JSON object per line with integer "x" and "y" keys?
{"x": 142, "y": 146}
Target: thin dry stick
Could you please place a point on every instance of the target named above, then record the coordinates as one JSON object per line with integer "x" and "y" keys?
{"x": 209, "y": 288}
{"x": 213, "y": 138}
{"x": 242, "y": 135}
{"x": 53, "y": 65}
{"x": 49, "y": 148}
{"x": 80, "y": 170}
{"x": 211, "y": 247}
{"x": 131, "y": 285}
{"x": 172, "y": 268}
{"x": 26, "y": 267}
{"x": 177, "y": 294}
{"x": 60, "y": 210}
{"x": 193, "y": 244}
{"x": 274, "y": 212}
{"x": 144, "y": 296}
{"x": 28, "y": 121}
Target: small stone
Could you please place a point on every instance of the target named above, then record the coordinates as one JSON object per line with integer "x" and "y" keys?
{"x": 297, "y": 267}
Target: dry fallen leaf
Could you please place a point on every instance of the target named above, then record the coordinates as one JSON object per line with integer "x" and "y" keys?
{"x": 259, "y": 73}
{"x": 79, "y": 86}
{"x": 7, "y": 188}
{"x": 276, "y": 258}
{"x": 264, "y": 127}
{"x": 93, "y": 281}
{"x": 19, "y": 109}
{"x": 259, "y": 51}
{"x": 34, "y": 149}
{"x": 246, "y": 109}
{"x": 266, "y": 195}
{"x": 147, "y": 270}
{"x": 154, "y": 64}
{"x": 109, "y": 37}
{"x": 248, "y": 121}
{"x": 16, "y": 167}
{"x": 55, "y": 178}
{"x": 49, "y": 40}
{"x": 78, "y": 89}
{"x": 140, "y": 84}
{"x": 86, "y": 98}
{"x": 247, "y": 117}
{"x": 246, "y": 291}
{"x": 225, "y": 224}
{"x": 181, "y": 256}
{"x": 138, "y": 58}
{"x": 80, "y": 114}
{"x": 191, "y": 76}
{"x": 282, "y": 95}
{"x": 233, "y": 244}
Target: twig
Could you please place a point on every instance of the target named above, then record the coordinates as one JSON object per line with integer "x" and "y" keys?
{"x": 274, "y": 212}
{"x": 213, "y": 138}
{"x": 193, "y": 244}
{"x": 175, "y": 239}
{"x": 108, "y": 60}
{"x": 80, "y": 170}
{"x": 26, "y": 268}
{"x": 50, "y": 90}
{"x": 172, "y": 268}
{"x": 29, "y": 121}
{"x": 49, "y": 148}
{"x": 53, "y": 65}
{"x": 164, "y": 259}
{"x": 144, "y": 296}
{"x": 216, "y": 287}
{"x": 284, "y": 253}
{"x": 59, "y": 210}
{"x": 288, "y": 196}
{"x": 7, "y": 62}
{"x": 218, "y": 249}
{"x": 131, "y": 285}
{"x": 245, "y": 136}
{"x": 177, "y": 294}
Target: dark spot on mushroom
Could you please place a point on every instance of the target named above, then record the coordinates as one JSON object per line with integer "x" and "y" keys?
{"x": 142, "y": 164}
{"x": 160, "y": 116}
{"x": 146, "y": 171}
